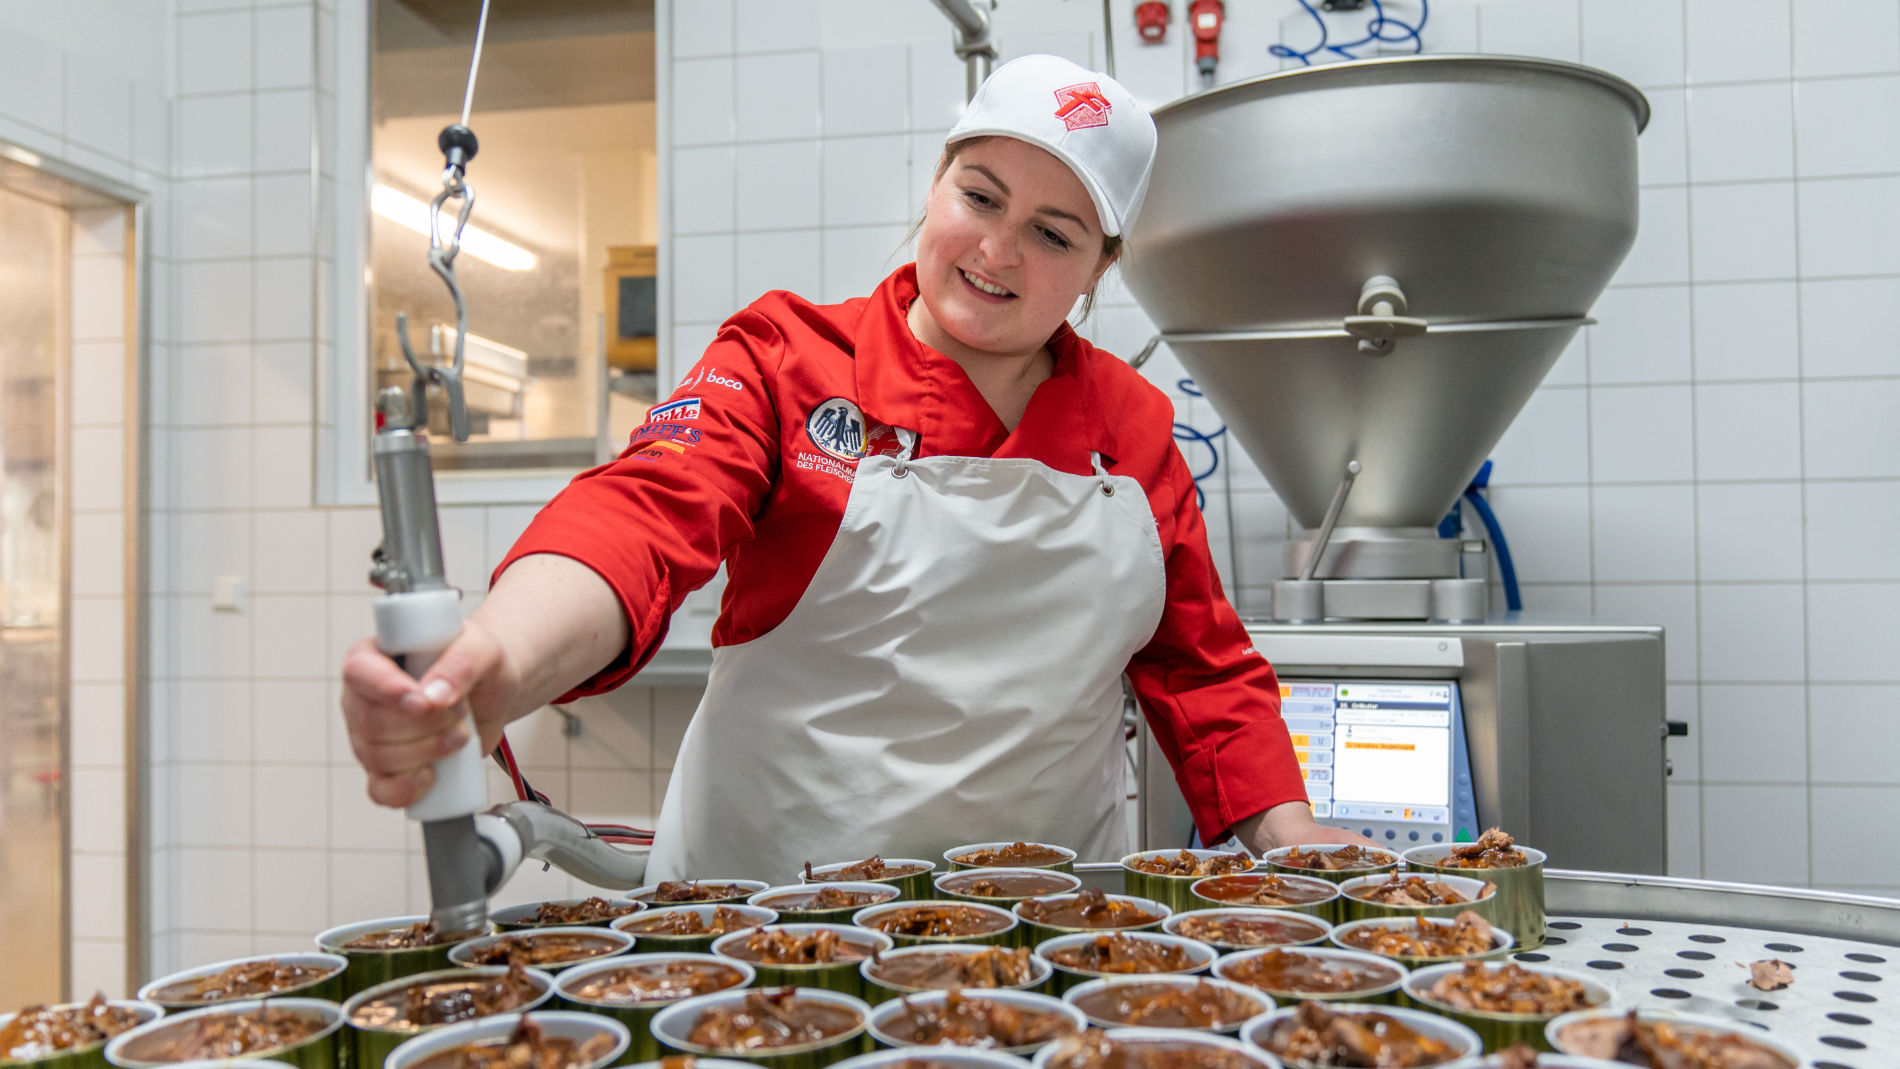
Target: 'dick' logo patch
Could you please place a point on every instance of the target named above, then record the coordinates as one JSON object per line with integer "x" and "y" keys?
{"x": 837, "y": 428}
{"x": 680, "y": 411}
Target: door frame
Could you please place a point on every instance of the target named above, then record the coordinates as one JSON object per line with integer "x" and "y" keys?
{"x": 55, "y": 181}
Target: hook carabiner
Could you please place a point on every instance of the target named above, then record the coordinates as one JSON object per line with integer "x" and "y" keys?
{"x": 448, "y": 378}
{"x": 458, "y": 146}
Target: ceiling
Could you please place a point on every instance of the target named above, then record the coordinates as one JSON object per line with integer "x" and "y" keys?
{"x": 537, "y": 53}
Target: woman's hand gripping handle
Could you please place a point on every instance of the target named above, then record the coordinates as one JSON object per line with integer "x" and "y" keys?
{"x": 548, "y": 623}
{"x": 415, "y": 628}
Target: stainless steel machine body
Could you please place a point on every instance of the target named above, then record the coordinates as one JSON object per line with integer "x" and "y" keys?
{"x": 1378, "y": 262}
{"x": 1563, "y": 722}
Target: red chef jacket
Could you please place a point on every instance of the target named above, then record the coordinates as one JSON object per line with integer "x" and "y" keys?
{"x": 729, "y": 469}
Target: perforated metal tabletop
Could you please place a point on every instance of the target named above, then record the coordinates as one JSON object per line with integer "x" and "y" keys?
{"x": 1843, "y": 1009}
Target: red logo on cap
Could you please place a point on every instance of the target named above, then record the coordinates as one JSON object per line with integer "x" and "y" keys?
{"x": 1082, "y": 106}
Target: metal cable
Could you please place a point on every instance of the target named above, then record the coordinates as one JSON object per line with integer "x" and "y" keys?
{"x": 475, "y": 63}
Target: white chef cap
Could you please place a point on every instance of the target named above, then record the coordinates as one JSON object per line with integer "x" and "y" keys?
{"x": 1087, "y": 120}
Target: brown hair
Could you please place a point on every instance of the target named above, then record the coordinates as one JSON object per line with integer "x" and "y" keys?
{"x": 1111, "y": 243}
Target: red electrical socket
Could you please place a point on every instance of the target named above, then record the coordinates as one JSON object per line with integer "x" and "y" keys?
{"x": 1151, "y": 20}
{"x": 1206, "y": 16}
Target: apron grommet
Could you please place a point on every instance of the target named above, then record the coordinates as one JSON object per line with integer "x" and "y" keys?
{"x": 1107, "y": 490}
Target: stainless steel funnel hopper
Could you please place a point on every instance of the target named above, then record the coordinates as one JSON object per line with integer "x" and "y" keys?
{"x": 1379, "y": 261}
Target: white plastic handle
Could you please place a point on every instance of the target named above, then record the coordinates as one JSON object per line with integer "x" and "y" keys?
{"x": 417, "y": 626}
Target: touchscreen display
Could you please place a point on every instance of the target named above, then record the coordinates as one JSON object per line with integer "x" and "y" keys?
{"x": 1375, "y": 751}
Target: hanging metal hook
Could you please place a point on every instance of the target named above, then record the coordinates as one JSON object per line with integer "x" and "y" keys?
{"x": 458, "y": 145}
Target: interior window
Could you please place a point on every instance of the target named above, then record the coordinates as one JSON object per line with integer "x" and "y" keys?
{"x": 558, "y": 260}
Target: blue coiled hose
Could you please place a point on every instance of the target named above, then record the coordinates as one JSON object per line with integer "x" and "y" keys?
{"x": 1185, "y": 433}
{"x": 1375, "y": 33}
{"x": 1450, "y": 526}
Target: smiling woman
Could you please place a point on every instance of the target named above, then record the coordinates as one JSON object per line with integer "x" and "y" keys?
{"x": 950, "y": 526}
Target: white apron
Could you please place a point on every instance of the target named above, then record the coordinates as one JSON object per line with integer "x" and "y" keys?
{"x": 951, "y": 675}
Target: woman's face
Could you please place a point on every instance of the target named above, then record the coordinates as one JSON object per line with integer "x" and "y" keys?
{"x": 1010, "y": 241}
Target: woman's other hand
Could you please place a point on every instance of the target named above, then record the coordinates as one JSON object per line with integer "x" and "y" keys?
{"x": 1291, "y": 824}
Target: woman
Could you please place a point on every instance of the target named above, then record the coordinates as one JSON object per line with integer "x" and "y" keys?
{"x": 950, "y": 525}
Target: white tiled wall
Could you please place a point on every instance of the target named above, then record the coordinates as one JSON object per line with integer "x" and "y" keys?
{"x": 100, "y": 877}
{"x": 1733, "y": 437}
{"x": 239, "y": 697}
{"x": 1718, "y": 455}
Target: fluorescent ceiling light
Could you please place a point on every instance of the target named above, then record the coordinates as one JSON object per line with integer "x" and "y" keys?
{"x": 404, "y": 210}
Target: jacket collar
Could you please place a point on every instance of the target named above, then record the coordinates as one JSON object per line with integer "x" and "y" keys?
{"x": 904, "y": 383}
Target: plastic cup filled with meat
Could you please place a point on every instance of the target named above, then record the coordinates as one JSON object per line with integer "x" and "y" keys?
{"x": 1269, "y": 890}
{"x": 952, "y": 967}
{"x": 1344, "y": 1035}
{"x": 1416, "y": 942}
{"x": 906, "y": 1058}
{"x": 71, "y": 1035}
{"x": 1506, "y": 1003}
{"x": 1016, "y": 855}
{"x": 1087, "y": 910}
{"x": 696, "y": 892}
{"x": 1661, "y": 1038}
{"x": 544, "y": 1040}
{"x": 1005, "y": 887}
{"x": 634, "y": 988}
{"x": 690, "y": 929}
{"x": 824, "y": 956}
{"x": 1150, "y": 1048}
{"x": 1330, "y": 861}
{"x": 823, "y": 903}
{"x": 1230, "y": 930}
{"x": 550, "y": 949}
{"x": 1167, "y": 875}
{"x": 595, "y": 912}
{"x": 383, "y": 950}
{"x": 779, "y": 1028}
{"x": 382, "y": 1018}
{"x": 1086, "y": 956}
{"x": 1201, "y": 1003}
{"x": 274, "y": 975}
{"x": 911, "y": 876}
{"x": 1412, "y": 894}
{"x": 1013, "y": 1022}
{"x": 918, "y": 923}
{"x": 1517, "y": 870}
{"x": 296, "y": 1031}
{"x": 1322, "y": 974}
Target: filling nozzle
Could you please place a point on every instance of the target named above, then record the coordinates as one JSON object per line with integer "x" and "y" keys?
{"x": 464, "y": 869}
{"x": 416, "y": 619}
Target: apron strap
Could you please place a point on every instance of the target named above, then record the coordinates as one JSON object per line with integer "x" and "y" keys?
{"x": 907, "y": 439}
{"x": 1108, "y": 488}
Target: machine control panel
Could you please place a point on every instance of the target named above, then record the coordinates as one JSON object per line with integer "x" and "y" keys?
{"x": 1386, "y": 759}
